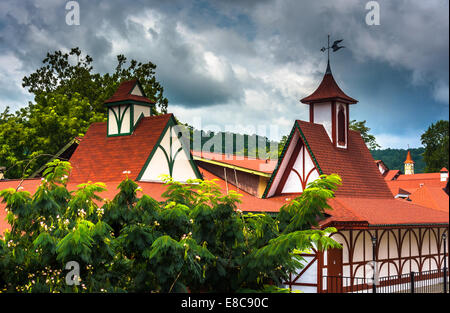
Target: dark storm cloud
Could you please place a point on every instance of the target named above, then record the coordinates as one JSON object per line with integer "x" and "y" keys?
{"x": 256, "y": 57}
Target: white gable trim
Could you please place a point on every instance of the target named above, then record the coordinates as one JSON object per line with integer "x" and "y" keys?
{"x": 303, "y": 172}
{"x": 169, "y": 158}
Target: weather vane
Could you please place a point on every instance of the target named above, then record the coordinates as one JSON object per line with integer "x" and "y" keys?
{"x": 335, "y": 47}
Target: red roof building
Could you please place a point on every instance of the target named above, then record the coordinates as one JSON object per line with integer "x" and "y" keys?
{"x": 426, "y": 189}
{"x": 142, "y": 146}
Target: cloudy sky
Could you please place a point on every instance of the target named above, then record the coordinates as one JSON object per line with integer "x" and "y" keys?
{"x": 242, "y": 64}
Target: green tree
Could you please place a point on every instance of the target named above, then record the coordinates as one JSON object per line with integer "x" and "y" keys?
{"x": 196, "y": 240}
{"x": 14, "y": 143}
{"x": 364, "y": 131}
{"x": 435, "y": 141}
{"x": 35, "y": 133}
{"x": 281, "y": 145}
{"x": 395, "y": 158}
{"x": 62, "y": 74}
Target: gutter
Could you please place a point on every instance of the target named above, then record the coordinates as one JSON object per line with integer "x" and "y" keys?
{"x": 238, "y": 168}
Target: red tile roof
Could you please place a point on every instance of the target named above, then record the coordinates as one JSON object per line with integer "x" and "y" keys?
{"x": 359, "y": 173}
{"x": 102, "y": 158}
{"x": 328, "y": 90}
{"x": 404, "y": 191}
{"x": 413, "y": 181}
{"x": 432, "y": 197}
{"x": 241, "y": 161}
{"x": 382, "y": 212}
{"x": 123, "y": 93}
{"x": 391, "y": 174}
{"x": 426, "y": 177}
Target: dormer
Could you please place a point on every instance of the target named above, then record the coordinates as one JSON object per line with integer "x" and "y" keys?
{"x": 329, "y": 106}
{"x": 126, "y": 108}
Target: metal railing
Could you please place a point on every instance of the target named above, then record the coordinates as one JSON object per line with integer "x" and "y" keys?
{"x": 433, "y": 281}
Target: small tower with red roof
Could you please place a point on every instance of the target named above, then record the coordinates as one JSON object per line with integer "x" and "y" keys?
{"x": 409, "y": 164}
{"x": 126, "y": 107}
{"x": 329, "y": 106}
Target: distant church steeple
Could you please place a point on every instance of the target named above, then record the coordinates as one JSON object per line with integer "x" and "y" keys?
{"x": 409, "y": 164}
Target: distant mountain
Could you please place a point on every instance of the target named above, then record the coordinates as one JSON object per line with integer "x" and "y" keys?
{"x": 394, "y": 158}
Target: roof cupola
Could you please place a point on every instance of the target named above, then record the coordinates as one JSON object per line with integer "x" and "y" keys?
{"x": 126, "y": 107}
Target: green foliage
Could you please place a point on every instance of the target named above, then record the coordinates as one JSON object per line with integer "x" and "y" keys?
{"x": 283, "y": 141}
{"x": 69, "y": 97}
{"x": 60, "y": 74}
{"x": 364, "y": 131}
{"x": 196, "y": 240}
{"x": 435, "y": 140}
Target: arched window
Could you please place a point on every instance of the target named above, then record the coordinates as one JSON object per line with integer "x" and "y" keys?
{"x": 341, "y": 126}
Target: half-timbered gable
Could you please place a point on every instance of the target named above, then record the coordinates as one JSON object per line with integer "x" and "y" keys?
{"x": 170, "y": 156}
{"x": 296, "y": 167}
{"x": 360, "y": 175}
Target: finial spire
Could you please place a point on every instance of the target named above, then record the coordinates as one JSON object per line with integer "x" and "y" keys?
{"x": 328, "y": 49}
{"x": 335, "y": 48}
{"x": 328, "y": 71}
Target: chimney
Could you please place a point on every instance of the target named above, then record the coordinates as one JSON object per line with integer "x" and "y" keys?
{"x": 444, "y": 174}
{"x": 2, "y": 170}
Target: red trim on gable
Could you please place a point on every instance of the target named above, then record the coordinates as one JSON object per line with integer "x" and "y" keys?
{"x": 290, "y": 167}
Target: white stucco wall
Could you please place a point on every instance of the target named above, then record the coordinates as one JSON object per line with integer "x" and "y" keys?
{"x": 138, "y": 110}
{"x": 182, "y": 169}
{"x": 136, "y": 91}
{"x": 112, "y": 122}
{"x": 410, "y": 247}
{"x": 322, "y": 115}
{"x": 308, "y": 277}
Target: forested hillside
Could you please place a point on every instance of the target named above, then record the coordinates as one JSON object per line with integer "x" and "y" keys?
{"x": 394, "y": 158}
